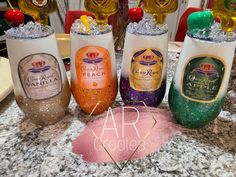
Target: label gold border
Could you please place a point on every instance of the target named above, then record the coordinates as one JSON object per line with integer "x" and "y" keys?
{"x": 78, "y": 58}
{"x": 21, "y": 81}
{"x": 162, "y": 73}
{"x": 221, "y": 87}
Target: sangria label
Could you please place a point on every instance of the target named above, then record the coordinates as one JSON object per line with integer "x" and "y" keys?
{"x": 40, "y": 76}
{"x": 230, "y": 4}
{"x": 146, "y": 70}
{"x": 40, "y": 3}
{"x": 202, "y": 79}
{"x": 93, "y": 67}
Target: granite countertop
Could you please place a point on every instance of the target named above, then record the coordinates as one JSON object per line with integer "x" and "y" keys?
{"x": 27, "y": 150}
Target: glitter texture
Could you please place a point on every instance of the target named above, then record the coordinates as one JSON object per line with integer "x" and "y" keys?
{"x": 27, "y": 150}
{"x": 48, "y": 111}
{"x": 89, "y": 98}
{"x": 152, "y": 98}
{"x": 192, "y": 114}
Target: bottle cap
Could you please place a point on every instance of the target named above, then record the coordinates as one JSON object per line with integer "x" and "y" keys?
{"x": 199, "y": 21}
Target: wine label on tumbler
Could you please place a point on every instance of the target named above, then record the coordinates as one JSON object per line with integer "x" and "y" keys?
{"x": 202, "y": 79}
{"x": 40, "y": 3}
{"x": 40, "y": 76}
{"x": 93, "y": 67}
{"x": 230, "y": 4}
{"x": 146, "y": 70}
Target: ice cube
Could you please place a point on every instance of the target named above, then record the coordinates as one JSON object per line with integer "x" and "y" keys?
{"x": 147, "y": 26}
{"x": 79, "y": 28}
{"x": 214, "y": 34}
{"x": 30, "y": 30}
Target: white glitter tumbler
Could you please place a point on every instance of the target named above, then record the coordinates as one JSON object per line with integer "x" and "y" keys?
{"x": 40, "y": 84}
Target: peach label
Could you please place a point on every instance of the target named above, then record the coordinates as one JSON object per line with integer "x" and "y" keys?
{"x": 93, "y": 67}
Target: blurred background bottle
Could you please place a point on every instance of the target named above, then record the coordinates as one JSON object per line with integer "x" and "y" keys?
{"x": 38, "y": 9}
{"x": 120, "y": 21}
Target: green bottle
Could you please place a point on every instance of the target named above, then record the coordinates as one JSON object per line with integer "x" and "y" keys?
{"x": 201, "y": 77}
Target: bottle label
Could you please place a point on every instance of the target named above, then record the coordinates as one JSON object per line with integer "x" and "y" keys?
{"x": 40, "y": 76}
{"x": 202, "y": 79}
{"x": 93, "y": 67}
{"x": 230, "y": 4}
{"x": 162, "y": 3}
{"x": 146, "y": 70}
{"x": 40, "y": 3}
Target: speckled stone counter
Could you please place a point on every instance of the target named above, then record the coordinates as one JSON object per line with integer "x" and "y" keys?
{"x": 27, "y": 150}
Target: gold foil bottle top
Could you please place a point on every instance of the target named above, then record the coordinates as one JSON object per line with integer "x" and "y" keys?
{"x": 225, "y": 10}
{"x": 102, "y": 9}
{"x": 38, "y": 9}
{"x": 160, "y": 8}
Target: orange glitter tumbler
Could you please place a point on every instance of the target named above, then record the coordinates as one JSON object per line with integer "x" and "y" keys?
{"x": 93, "y": 69}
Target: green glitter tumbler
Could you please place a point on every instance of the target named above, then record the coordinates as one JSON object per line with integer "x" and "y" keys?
{"x": 201, "y": 77}
{"x": 200, "y": 82}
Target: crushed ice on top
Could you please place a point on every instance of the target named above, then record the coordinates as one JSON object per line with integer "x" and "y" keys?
{"x": 30, "y": 30}
{"x": 147, "y": 26}
{"x": 79, "y": 28}
{"x": 214, "y": 34}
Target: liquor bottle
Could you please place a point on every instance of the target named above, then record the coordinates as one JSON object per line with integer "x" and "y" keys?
{"x": 160, "y": 8}
{"x": 225, "y": 10}
{"x": 38, "y": 9}
{"x": 102, "y": 9}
